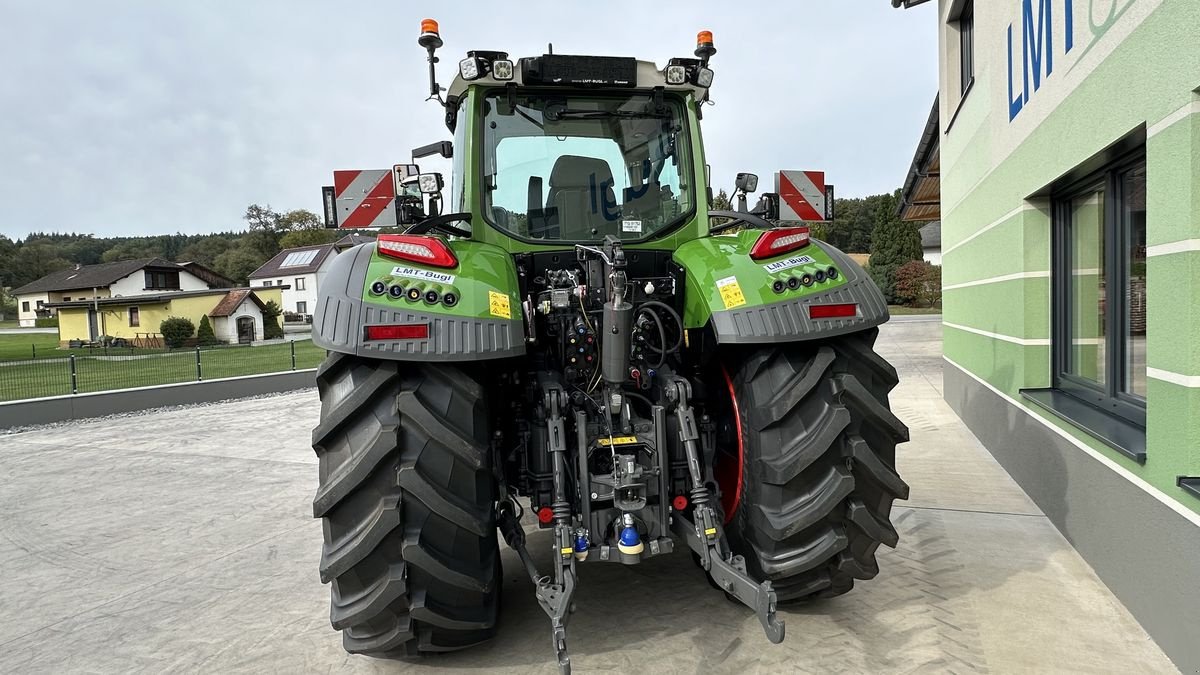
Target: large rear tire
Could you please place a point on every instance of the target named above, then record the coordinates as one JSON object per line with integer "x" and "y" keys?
{"x": 406, "y": 498}
{"x": 817, "y": 463}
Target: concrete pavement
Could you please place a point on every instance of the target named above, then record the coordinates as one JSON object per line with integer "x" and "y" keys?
{"x": 182, "y": 540}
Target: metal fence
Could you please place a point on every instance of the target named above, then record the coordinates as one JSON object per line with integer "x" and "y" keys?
{"x": 123, "y": 368}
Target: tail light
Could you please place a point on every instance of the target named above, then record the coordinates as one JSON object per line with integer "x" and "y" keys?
{"x": 417, "y": 248}
{"x": 777, "y": 242}
{"x": 402, "y": 331}
{"x": 832, "y": 311}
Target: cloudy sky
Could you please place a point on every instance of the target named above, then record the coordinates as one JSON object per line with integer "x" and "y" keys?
{"x": 144, "y": 117}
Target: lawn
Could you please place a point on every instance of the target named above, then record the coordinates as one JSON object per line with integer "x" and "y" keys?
{"x": 96, "y": 372}
{"x": 901, "y": 310}
{"x": 22, "y": 346}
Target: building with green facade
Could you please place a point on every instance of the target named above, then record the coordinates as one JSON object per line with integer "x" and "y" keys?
{"x": 1063, "y": 160}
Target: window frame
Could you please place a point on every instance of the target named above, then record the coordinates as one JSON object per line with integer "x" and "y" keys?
{"x": 966, "y": 47}
{"x": 686, "y": 171}
{"x": 152, "y": 276}
{"x": 135, "y": 317}
{"x": 300, "y": 283}
{"x": 302, "y": 307}
{"x": 1111, "y": 397}
{"x": 24, "y": 305}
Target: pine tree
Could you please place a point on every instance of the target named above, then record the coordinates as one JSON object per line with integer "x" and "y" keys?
{"x": 204, "y": 333}
{"x": 893, "y": 243}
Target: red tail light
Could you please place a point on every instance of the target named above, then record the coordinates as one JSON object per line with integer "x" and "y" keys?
{"x": 832, "y": 311}
{"x": 403, "y": 331}
{"x": 417, "y": 248}
{"x": 777, "y": 242}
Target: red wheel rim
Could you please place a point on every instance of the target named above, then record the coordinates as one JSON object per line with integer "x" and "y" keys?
{"x": 729, "y": 474}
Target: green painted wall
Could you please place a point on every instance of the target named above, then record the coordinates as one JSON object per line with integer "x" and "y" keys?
{"x": 1134, "y": 67}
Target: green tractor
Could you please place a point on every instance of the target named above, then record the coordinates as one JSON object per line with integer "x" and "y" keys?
{"x": 579, "y": 339}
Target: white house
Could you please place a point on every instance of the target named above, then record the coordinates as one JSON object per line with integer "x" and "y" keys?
{"x": 931, "y": 242}
{"x": 300, "y": 272}
{"x": 238, "y": 317}
{"x": 145, "y": 276}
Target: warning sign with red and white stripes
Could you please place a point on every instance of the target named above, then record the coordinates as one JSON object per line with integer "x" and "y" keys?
{"x": 801, "y": 195}
{"x": 365, "y": 198}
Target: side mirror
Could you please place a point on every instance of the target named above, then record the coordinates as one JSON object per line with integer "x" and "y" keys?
{"x": 443, "y": 148}
{"x": 405, "y": 177}
{"x": 747, "y": 182}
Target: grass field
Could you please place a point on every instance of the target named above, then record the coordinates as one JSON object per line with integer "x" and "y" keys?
{"x": 52, "y": 376}
{"x": 22, "y": 346}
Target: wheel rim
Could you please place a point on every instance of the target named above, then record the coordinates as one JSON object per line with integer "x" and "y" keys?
{"x": 731, "y": 460}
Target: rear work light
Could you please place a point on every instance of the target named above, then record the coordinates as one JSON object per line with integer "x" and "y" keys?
{"x": 777, "y": 242}
{"x": 832, "y": 311}
{"x": 402, "y": 331}
{"x": 417, "y": 248}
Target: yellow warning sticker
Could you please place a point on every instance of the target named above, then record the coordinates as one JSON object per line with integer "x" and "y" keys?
{"x": 731, "y": 292}
{"x": 712, "y": 531}
{"x": 618, "y": 440}
{"x": 498, "y": 305}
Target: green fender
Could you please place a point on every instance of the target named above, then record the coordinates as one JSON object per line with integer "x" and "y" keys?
{"x": 737, "y": 295}
{"x": 473, "y": 310}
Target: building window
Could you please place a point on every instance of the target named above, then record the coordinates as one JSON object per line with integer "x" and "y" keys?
{"x": 1100, "y": 289}
{"x": 279, "y": 283}
{"x": 966, "y": 46}
{"x": 266, "y": 283}
{"x": 299, "y": 283}
{"x": 24, "y": 305}
{"x": 302, "y": 307}
{"x": 162, "y": 280}
{"x": 135, "y": 317}
{"x": 66, "y": 299}
{"x": 40, "y": 303}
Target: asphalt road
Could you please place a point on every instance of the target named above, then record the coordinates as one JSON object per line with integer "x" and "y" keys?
{"x": 182, "y": 540}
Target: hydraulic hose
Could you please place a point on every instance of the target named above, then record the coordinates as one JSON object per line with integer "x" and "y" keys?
{"x": 662, "y": 337}
{"x": 678, "y": 322}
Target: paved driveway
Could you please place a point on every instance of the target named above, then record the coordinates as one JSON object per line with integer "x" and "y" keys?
{"x": 182, "y": 540}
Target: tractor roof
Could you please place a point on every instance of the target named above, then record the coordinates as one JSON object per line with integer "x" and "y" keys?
{"x": 648, "y": 76}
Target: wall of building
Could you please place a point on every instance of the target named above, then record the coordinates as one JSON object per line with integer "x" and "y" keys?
{"x": 270, "y": 293}
{"x": 294, "y": 294}
{"x": 114, "y": 320}
{"x": 933, "y": 256}
{"x": 1128, "y": 67}
{"x": 135, "y": 284}
{"x": 27, "y": 319}
{"x": 997, "y": 307}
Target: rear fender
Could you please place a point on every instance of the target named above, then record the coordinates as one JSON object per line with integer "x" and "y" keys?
{"x": 734, "y": 293}
{"x": 485, "y": 322}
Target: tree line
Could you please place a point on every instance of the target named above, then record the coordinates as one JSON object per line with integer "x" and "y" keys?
{"x": 233, "y": 254}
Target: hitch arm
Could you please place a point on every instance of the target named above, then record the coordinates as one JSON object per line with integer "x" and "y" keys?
{"x": 706, "y": 536}
{"x": 730, "y": 574}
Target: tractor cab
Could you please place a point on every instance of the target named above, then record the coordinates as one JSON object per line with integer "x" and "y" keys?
{"x": 564, "y": 149}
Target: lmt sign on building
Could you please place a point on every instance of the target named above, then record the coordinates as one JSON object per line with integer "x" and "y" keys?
{"x": 1037, "y": 48}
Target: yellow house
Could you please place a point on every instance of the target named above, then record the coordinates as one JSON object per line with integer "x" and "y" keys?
{"x": 235, "y": 314}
